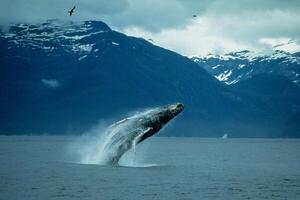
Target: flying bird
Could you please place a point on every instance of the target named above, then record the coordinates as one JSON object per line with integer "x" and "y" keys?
{"x": 194, "y": 16}
{"x": 71, "y": 11}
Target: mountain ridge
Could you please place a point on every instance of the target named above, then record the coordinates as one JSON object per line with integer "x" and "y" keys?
{"x": 62, "y": 78}
{"x": 237, "y": 66}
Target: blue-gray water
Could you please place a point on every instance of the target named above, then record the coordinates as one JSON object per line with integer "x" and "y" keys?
{"x": 40, "y": 167}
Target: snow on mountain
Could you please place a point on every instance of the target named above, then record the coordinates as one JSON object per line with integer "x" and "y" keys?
{"x": 236, "y": 66}
{"x": 53, "y": 35}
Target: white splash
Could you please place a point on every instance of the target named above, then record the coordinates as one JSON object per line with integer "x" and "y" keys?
{"x": 102, "y": 143}
{"x": 225, "y": 136}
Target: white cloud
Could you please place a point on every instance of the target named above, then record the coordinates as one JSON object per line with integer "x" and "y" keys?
{"x": 274, "y": 41}
{"x": 281, "y": 43}
{"x": 214, "y": 34}
{"x": 51, "y": 83}
{"x": 221, "y": 26}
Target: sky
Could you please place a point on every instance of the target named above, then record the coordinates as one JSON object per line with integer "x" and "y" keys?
{"x": 221, "y": 26}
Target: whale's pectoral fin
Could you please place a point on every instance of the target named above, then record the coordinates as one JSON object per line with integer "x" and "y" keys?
{"x": 138, "y": 139}
{"x": 147, "y": 131}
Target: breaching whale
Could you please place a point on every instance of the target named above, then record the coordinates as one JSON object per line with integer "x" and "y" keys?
{"x": 125, "y": 134}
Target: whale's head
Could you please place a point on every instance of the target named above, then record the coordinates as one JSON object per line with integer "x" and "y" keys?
{"x": 168, "y": 112}
{"x": 159, "y": 117}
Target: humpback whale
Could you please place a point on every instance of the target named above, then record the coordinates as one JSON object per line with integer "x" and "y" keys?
{"x": 125, "y": 134}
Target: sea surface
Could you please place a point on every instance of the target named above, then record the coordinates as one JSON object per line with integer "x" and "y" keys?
{"x": 42, "y": 167}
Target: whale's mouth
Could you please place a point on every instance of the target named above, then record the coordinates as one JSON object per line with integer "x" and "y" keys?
{"x": 170, "y": 111}
{"x": 176, "y": 108}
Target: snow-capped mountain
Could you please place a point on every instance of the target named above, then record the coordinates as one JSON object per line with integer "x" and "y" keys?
{"x": 55, "y": 35}
{"x": 237, "y": 66}
{"x": 63, "y": 77}
{"x": 59, "y": 77}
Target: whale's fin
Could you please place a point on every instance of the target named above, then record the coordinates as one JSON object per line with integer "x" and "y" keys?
{"x": 138, "y": 138}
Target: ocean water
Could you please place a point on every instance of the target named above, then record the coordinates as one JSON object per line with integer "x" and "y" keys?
{"x": 43, "y": 167}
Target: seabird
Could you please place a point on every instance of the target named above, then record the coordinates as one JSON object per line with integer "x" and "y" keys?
{"x": 71, "y": 11}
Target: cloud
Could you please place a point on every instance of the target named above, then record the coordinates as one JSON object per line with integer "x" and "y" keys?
{"x": 282, "y": 44}
{"x": 51, "y": 83}
{"x": 221, "y": 26}
{"x": 14, "y": 11}
{"x": 211, "y": 33}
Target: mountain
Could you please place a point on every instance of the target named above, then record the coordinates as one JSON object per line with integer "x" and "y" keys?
{"x": 267, "y": 82}
{"x": 238, "y": 66}
{"x": 277, "y": 96}
{"x": 60, "y": 78}
{"x": 63, "y": 77}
